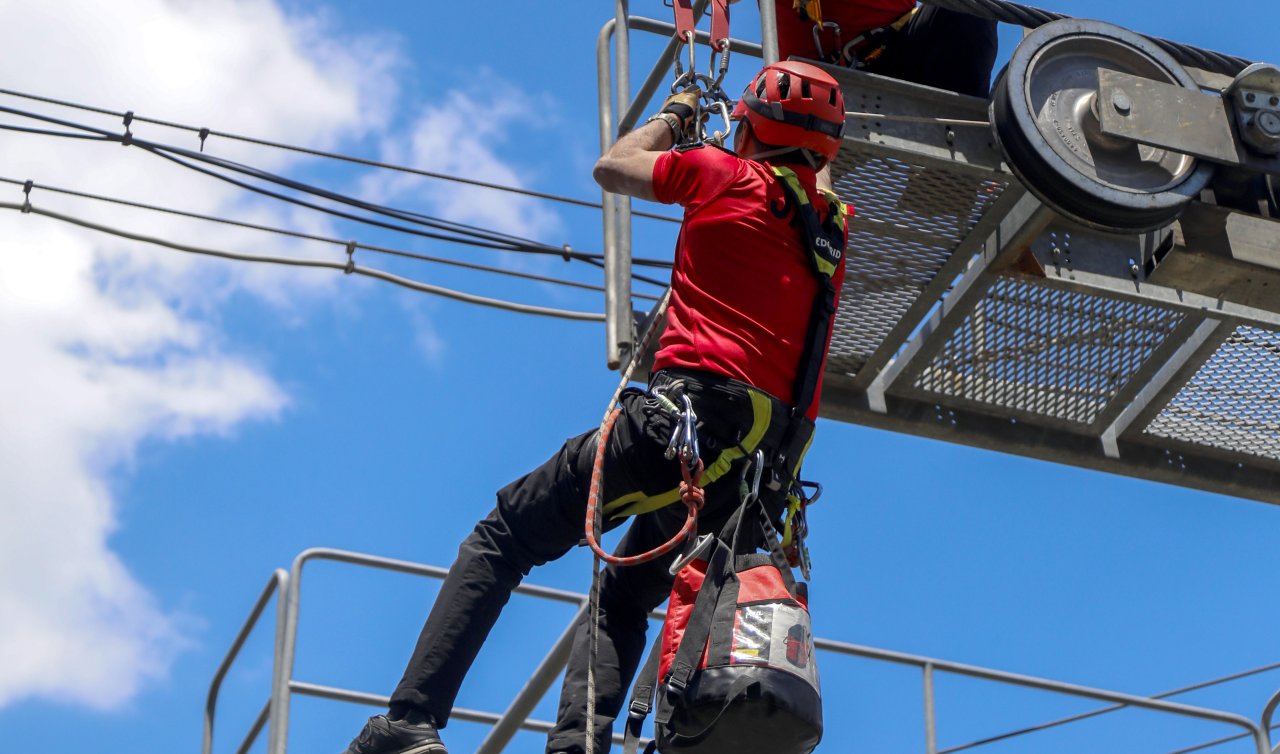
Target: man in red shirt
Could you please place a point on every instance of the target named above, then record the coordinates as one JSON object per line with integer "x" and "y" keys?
{"x": 757, "y": 271}
{"x": 925, "y": 44}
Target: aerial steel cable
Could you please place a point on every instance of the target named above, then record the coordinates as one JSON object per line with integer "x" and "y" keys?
{"x": 128, "y": 139}
{"x": 309, "y": 236}
{"x": 469, "y": 235}
{"x": 349, "y": 267}
{"x": 204, "y": 133}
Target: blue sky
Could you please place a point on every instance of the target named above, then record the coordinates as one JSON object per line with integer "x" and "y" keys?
{"x": 173, "y": 430}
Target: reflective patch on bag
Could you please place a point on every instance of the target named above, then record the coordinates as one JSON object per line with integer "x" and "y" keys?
{"x": 775, "y": 635}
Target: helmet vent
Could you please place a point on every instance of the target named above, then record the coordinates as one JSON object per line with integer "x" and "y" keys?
{"x": 784, "y": 86}
{"x": 804, "y": 89}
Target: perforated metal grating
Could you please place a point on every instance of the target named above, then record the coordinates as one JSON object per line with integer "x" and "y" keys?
{"x": 1233, "y": 401}
{"x": 1047, "y": 351}
{"x": 908, "y": 220}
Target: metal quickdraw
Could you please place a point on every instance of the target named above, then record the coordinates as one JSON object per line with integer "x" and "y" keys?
{"x": 712, "y": 97}
{"x": 796, "y": 526}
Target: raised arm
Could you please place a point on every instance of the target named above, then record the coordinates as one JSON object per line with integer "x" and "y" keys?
{"x": 627, "y": 168}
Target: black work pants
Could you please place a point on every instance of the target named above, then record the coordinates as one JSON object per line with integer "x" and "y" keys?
{"x": 943, "y": 49}
{"x": 537, "y": 519}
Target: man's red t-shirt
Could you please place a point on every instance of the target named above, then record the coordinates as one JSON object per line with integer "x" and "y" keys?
{"x": 795, "y": 34}
{"x": 743, "y": 284}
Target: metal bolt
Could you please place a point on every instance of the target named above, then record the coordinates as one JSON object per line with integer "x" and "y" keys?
{"x": 1121, "y": 102}
{"x": 1269, "y": 122}
{"x": 1275, "y": 101}
{"x": 1250, "y": 97}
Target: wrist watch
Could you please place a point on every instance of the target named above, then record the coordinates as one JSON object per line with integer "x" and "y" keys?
{"x": 672, "y": 121}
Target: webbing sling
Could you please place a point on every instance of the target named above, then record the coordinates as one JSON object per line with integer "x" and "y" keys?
{"x": 825, "y": 242}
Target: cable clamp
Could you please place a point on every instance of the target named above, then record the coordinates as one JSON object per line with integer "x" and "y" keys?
{"x": 26, "y": 191}
{"x": 351, "y": 261}
{"x": 204, "y": 134}
{"x": 127, "y": 139}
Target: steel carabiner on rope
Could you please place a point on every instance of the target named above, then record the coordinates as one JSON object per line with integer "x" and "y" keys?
{"x": 685, "y": 78}
{"x": 689, "y": 451}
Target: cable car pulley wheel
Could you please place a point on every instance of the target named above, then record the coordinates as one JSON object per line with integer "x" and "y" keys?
{"x": 1044, "y": 113}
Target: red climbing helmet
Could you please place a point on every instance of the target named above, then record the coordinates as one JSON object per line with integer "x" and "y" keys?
{"x": 793, "y": 104}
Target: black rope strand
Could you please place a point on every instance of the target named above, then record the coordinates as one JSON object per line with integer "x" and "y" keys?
{"x": 317, "y": 238}
{"x": 484, "y": 238}
{"x": 204, "y": 133}
{"x": 1031, "y": 18}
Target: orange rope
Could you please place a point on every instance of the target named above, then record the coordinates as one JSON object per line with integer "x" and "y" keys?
{"x": 691, "y": 494}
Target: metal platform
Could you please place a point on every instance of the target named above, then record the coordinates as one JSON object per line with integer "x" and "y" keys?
{"x": 974, "y": 313}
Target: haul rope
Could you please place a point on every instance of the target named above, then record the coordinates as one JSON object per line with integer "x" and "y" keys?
{"x": 595, "y": 514}
{"x": 1031, "y": 18}
{"x": 691, "y": 493}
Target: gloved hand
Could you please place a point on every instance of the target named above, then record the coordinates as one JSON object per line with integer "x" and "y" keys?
{"x": 683, "y": 105}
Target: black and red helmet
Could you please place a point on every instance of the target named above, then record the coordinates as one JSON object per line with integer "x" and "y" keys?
{"x": 794, "y": 104}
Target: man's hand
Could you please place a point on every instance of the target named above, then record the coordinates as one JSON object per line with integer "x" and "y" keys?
{"x": 683, "y": 105}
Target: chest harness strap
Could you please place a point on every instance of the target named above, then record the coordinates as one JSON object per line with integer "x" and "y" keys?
{"x": 825, "y": 241}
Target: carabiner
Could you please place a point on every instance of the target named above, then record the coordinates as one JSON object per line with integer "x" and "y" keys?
{"x": 817, "y": 38}
{"x": 751, "y": 492}
{"x": 689, "y": 420}
{"x": 697, "y": 549}
{"x": 719, "y": 74}
{"x": 681, "y": 74}
{"x": 718, "y": 137}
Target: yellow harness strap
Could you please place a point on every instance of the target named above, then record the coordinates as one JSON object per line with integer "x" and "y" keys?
{"x": 638, "y": 502}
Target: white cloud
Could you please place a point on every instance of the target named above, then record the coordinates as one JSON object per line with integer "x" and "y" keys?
{"x": 458, "y": 134}
{"x": 107, "y": 342}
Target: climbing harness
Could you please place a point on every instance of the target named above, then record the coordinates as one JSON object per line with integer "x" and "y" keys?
{"x": 712, "y": 98}
{"x": 825, "y": 242}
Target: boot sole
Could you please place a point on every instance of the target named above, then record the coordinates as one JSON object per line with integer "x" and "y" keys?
{"x": 435, "y": 747}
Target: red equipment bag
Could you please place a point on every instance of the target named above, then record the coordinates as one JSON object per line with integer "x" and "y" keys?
{"x": 736, "y": 661}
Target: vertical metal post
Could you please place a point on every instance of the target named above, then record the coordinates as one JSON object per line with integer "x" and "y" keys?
{"x": 769, "y": 31}
{"x": 930, "y": 726}
{"x": 616, "y": 299}
{"x": 620, "y": 274}
{"x": 282, "y": 665}
{"x": 534, "y": 689}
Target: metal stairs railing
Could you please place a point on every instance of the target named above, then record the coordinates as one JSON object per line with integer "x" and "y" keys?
{"x": 285, "y": 587}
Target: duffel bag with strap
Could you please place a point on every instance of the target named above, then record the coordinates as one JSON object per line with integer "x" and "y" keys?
{"x": 735, "y": 660}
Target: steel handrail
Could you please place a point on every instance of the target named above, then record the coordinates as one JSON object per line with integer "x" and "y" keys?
{"x": 1115, "y": 708}
{"x": 279, "y": 581}
{"x": 1268, "y": 712}
{"x": 276, "y": 711}
{"x": 284, "y": 685}
{"x": 1261, "y": 738}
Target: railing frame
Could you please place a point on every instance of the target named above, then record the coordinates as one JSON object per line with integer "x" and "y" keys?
{"x": 286, "y": 586}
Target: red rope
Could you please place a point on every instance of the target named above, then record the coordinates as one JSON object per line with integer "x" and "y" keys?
{"x": 690, "y": 493}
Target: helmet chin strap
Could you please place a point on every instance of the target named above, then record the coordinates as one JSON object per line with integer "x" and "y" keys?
{"x": 808, "y": 155}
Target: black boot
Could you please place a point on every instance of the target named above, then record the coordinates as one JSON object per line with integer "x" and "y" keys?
{"x": 382, "y": 735}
